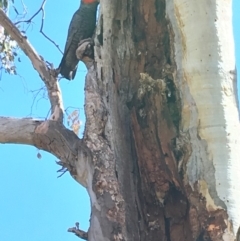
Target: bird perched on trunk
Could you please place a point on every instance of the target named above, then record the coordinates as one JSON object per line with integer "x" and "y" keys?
{"x": 82, "y": 26}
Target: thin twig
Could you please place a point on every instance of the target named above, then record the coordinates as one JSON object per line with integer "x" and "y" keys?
{"x": 41, "y": 31}
{"x": 24, "y": 8}
{"x": 63, "y": 172}
{"x": 34, "y": 15}
{"x": 41, "y": 9}
{"x": 63, "y": 169}
{"x": 37, "y": 91}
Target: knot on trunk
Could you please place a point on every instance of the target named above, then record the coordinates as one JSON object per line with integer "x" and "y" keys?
{"x": 85, "y": 52}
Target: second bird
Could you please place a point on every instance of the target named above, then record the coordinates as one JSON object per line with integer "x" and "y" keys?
{"x": 82, "y": 26}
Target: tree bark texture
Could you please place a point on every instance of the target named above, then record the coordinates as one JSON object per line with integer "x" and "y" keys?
{"x": 159, "y": 154}
{"x": 139, "y": 118}
{"x": 163, "y": 118}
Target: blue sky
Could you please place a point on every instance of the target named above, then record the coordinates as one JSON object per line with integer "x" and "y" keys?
{"x": 34, "y": 203}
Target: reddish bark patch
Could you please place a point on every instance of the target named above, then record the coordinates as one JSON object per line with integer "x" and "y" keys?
{"x": 205, "y": 225}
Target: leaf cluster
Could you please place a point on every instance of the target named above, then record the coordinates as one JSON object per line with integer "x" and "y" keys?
{"x": 4, "y": 4}
{"x": 8, "y": 52}
{"x": 8, "y": 47}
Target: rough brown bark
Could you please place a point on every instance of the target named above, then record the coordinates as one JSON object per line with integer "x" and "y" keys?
{"x": 140, "y": 125}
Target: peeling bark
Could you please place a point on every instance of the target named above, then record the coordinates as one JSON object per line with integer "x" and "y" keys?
{"x": 206, "y": 80}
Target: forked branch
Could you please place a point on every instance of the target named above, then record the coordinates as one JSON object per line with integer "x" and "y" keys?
{"x": 47, "y": 73}
{"x": 34, "y": 15}
{"x": 41, "y": 9}
{"x": 49, "y": 135}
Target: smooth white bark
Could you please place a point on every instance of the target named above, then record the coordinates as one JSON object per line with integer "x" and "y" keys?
{"x": 206, "y": 78}
{"x": 18, "y": 131}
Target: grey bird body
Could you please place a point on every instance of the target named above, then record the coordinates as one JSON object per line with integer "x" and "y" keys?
{"x": 81, "y": 27}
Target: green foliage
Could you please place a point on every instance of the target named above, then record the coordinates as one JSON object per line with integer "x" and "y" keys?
{"x": 8, "y": 47}
{"x": 8, "y": 52}
{"x": 4, "y": 4}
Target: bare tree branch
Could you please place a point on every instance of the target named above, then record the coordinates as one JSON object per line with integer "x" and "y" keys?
{"x": 47, "y": 74}
{"x": 78, "y": 232}
{"x": 34, "y": 15}
{"x": 19, "y": 131}
{"x": 41, "y": 9}
{"x": 50, "y": 136}
{"x": 41, "y": 31}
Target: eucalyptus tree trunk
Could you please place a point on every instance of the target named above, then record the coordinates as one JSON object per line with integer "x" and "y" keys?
{"x": 166, "y": 122}
{"x": 160, "y": 152}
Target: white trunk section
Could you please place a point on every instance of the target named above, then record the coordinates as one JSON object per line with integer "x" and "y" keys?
{"x": 206, "y": 78}
{"x": 18, "y": 131}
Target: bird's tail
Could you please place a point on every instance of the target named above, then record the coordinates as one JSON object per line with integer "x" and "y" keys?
{"x": 66, "y": 70}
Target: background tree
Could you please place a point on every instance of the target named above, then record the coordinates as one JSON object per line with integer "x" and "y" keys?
{"x": 159, "y": 134}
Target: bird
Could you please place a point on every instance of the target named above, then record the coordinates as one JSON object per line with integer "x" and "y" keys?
{"x": 81, "y": 27}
